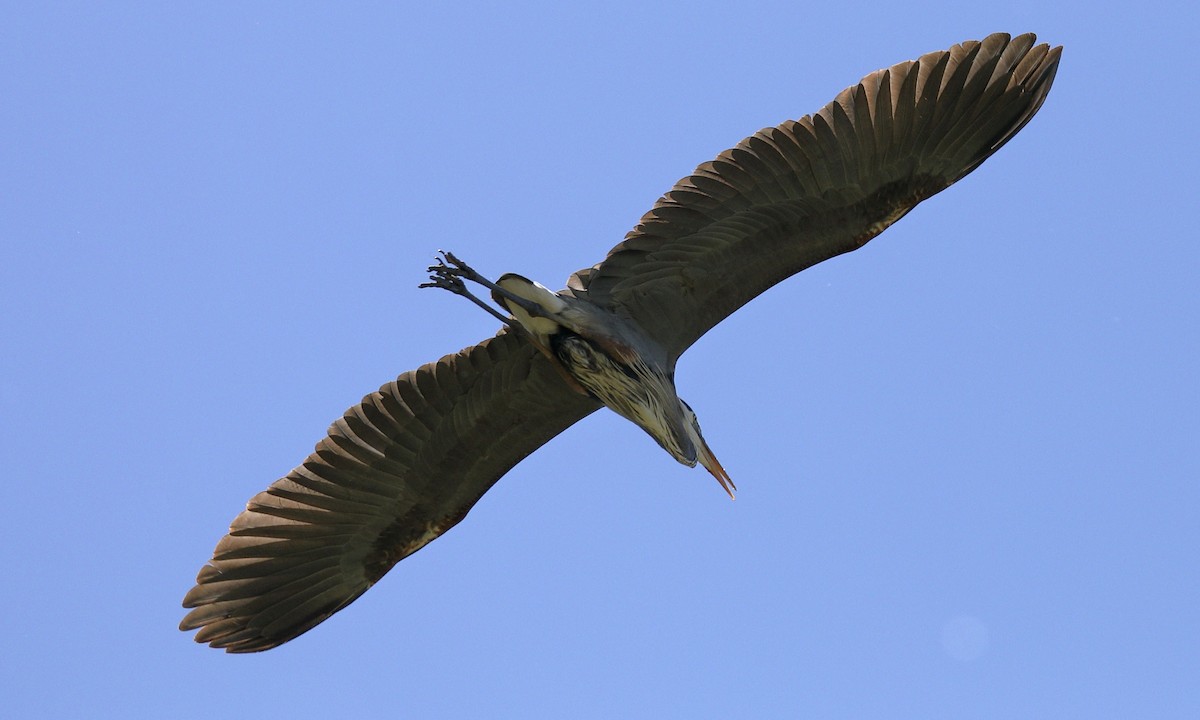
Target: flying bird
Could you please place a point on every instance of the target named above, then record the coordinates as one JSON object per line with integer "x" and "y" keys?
{"x": 407, "y": 463}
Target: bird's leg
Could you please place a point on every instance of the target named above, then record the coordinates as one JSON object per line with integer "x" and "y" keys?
{"x": 450, "y": 270}
{"x": 450, "y": 277}
{"x": 444, "y": 277}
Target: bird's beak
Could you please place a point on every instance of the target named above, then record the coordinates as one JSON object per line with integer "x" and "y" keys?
{"x": 709, "y": 461}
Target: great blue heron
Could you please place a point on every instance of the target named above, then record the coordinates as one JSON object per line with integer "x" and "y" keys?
{"x": 407, "y": 463}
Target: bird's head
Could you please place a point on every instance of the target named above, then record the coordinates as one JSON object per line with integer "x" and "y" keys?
{"x": 701, "y": 453}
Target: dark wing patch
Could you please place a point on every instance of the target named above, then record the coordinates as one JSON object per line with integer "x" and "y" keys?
{"x": 396, "y": 471}
{"x": 791, "y": 196}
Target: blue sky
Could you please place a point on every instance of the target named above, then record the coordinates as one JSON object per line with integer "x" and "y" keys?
{"x": 967, "y": 454}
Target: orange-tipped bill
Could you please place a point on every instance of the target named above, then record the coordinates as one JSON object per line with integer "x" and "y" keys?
{"x": 709, "y": 461}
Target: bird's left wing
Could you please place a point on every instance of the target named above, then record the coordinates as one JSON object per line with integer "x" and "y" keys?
{"x": 395, "y": 472}
{"x": 792, "y": 196}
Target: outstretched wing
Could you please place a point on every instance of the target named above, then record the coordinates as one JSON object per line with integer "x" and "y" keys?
{"x": 788, "y": 197}
{"x": 395, "y": 472}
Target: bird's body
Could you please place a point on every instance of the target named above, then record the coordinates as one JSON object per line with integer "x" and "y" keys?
{"x": 601, "y": 355}
{"x": 409, "y": 461}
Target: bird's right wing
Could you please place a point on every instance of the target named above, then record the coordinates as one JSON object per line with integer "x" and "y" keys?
{"x": 791, "y": 196}
{"x": 396, "y": 471}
